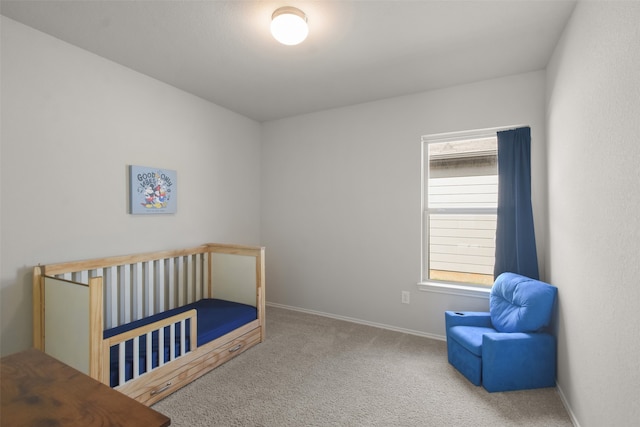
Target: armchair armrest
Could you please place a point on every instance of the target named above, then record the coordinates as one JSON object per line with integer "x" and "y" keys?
{"x": 510, "y": 346}
{"x": 516, "y": 361}
{"x": 467, "y": 318}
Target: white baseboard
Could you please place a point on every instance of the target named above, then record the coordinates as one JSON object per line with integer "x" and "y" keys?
{"x": 565, "y": 402}
{"x": 359, "y": 321}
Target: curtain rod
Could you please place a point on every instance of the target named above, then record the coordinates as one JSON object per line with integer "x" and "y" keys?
{"x": 477, "y": 133}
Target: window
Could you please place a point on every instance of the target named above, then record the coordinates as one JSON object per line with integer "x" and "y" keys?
{"x": 460, "y": 198}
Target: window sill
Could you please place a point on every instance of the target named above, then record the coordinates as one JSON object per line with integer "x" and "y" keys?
{"x": 452, "y": 289}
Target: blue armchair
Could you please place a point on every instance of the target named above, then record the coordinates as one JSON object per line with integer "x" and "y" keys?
{"x": 511, "y": 347}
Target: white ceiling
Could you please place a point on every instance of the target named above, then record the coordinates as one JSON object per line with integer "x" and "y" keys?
{"x": 357, "y": 51}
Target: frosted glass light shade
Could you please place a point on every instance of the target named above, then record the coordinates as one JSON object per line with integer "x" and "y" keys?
{"x": 289, "y": 25}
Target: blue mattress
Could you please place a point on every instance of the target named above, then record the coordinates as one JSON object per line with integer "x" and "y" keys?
{"x": 215, "y": 318}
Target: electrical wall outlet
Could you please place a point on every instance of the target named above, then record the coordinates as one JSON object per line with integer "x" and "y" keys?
{"x": 405, "y": 297}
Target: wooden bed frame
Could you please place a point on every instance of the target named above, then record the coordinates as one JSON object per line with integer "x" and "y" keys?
{"x": 74, "y": 302}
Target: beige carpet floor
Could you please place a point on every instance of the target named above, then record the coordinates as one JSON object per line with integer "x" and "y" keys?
{"x": 316, "y": 371}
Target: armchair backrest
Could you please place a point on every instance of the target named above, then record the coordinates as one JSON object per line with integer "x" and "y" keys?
{"x": 521, "y": 304}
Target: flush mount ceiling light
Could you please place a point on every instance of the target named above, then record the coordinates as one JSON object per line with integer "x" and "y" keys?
{"x": 289, "y": 25}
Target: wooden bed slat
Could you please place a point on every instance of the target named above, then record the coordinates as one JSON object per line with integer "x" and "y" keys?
{"x": 53, "y": 269}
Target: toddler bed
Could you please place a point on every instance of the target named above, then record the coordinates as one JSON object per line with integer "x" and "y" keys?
{"x": 149, "y": 324}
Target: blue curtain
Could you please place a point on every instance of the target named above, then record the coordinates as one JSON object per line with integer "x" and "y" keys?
{"x": 515, "y": 237}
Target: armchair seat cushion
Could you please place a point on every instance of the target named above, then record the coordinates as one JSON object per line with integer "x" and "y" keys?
{"x": 470, "y": 337}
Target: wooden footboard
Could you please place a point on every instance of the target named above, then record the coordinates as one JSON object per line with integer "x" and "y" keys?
{"x": 84, "y": 298}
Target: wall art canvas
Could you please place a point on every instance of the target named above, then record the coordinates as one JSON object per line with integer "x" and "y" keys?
{"x": 152, "y": 190}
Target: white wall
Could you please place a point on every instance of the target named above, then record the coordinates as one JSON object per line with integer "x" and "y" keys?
{"x": 594, "y": 197}
{"x": 71, "y": 123}
{"x": 341, "y": 199}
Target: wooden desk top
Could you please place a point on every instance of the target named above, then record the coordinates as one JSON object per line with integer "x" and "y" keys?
{"x": 38, "y": 390}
